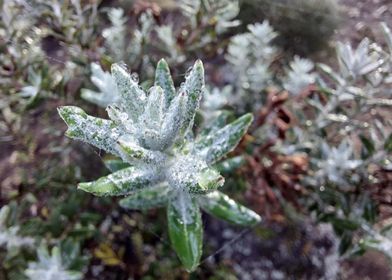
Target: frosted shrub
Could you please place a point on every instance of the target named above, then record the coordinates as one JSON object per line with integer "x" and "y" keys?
{"x": 106, "y": 85}
{"x": 51, "y": 266}
{"x": 299, "y": 75}
{"x": 165, "y": 165}
{"x": 9, "y": 236}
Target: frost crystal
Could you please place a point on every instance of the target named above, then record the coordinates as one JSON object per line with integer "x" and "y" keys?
{"x": 161, "y": 164}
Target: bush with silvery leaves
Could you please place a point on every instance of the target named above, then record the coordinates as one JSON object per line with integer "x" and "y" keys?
{"x": 299, "y": 75}
{"x": 9, "y": 236}
{"x": 220, "y": 12}
{"x": 164, "y": 164}
{"x": 106, "y": 85}
{"x": 250, "y": 55}
{"x": 51, "y": 266}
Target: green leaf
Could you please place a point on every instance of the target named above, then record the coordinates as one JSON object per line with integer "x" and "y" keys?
{"x": 98, "y": 132}
{"x": 217, "y": 123}
{"x": 115, "y": 164}
{"x": 133, "y": 153}
{"x": 223, "y": 207}
{"x": 209, "y": 180}
{"x": 133, "y": 97}
{"x": 122, "y": 182}
{"x": 185, "y": 230}
{"x": 154, "y": 109}
{"x": 144, "y": 199}
{"x": 193, "y": 88}
{"x": 173, "y": 121}
{"x": 218, "y": 143}
{"x": 164, "y": 80}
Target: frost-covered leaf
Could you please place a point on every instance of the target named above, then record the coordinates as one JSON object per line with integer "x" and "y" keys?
{"x": 217, "y": 123}
{"x": 217, "y": 144}
{"x": 154, "y": 110}
{"x": 115, "y": 164}
{"x": 122, "y": 182}
{"x": 193, "y": 88}
{"x": 185, "y": 229}
{"x": 134, "y": 154}
{"x": 223, "y": 207}
{"x": 133, "y": 98}
{"x": 149, "y": 198}
{"x": 173, "y": 120}
{"x": 99, "y": 132}
{"x": 164, "y": 80}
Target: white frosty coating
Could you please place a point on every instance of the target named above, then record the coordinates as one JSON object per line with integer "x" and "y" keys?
{"x": 134, "y": 154}
{"x": 107, "y": 94}
{"x": 154, "y": 110}
{"x": 50, "y": 268}
{"x": 218, "y": 143}
{"x": 193, "y": 87}
{"x": 133, "y": 98}
{"x": 184, "y": 206}
{"x": 153, "y": 197}
{"x": 133, "y": 178}
{"x": 236, "y": 212}
{"x": 183, "y": 174}
{"x": 173, "y": 120}
{"x": 299, "y": 75}
{"x": 99, "y": 132}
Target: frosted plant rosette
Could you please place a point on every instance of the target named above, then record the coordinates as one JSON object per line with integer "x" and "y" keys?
{"x": 9, "y": 236}
{"x": 50, "y": 267}
{"x": 161, "y": 162}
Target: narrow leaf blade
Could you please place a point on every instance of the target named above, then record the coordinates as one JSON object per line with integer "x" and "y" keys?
{"x": 164, "y": 80}
{"x": 145, "y": 199}
{"x": 133, "y": 98}
{"x": 122, "y": 182}
{"x": 95, "y": 131}
{"x": 193, "y": 88}
{"x": 218, "y": 143}
{"x": 225, "y": 208}
{"x": 185, "y": 230}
